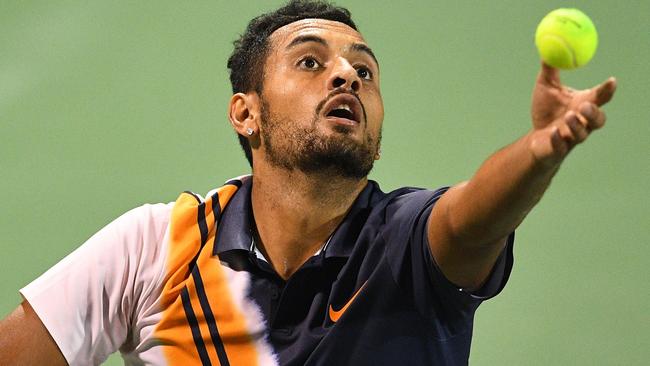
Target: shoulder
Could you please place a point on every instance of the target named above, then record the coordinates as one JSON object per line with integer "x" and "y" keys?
{"x": 149, "y": 213}
{"x": 395, "y": 213}
{"x": 148, "y": 219}
{"x": 407, "y": 202}
{"x": 137, "y": 228}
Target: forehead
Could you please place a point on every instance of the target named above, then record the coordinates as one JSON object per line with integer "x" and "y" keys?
{"x": 326, "y": 29}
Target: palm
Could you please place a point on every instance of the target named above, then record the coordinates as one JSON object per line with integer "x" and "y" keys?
{"x": 563, "y": 117}
{"x": 552, "y": 100}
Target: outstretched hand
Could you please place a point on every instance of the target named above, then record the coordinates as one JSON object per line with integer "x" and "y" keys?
{"x": 564, "y": 117}
{"x": 469, "y": 224}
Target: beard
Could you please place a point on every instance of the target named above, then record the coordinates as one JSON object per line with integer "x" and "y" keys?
{"x": 292, "y": 147}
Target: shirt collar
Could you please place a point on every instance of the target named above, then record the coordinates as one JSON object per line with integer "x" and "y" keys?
{"x": 234, "y": 231}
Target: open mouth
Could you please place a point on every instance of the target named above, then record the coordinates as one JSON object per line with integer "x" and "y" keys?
{"x": 342, "y": 111}
{"x": 345, "y": 107}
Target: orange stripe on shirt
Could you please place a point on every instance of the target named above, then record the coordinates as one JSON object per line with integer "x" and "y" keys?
{"x": 184, "y": 245}
{"x": 230, "y": 319}
{"x": 173, "y": 331}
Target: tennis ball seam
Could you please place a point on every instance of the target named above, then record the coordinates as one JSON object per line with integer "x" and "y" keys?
{"x": 566, "y": 38}
{"x": 574, "y": 58}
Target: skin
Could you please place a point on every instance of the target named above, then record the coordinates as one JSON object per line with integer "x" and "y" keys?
{"x": 294, "y": 220}
{"x": 24, "y": 340}
{"x": 467, "y": 226}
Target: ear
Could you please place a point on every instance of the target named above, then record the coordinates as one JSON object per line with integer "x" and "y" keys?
{"x": 378, "y": 153}
{"x": 244, "y": 113}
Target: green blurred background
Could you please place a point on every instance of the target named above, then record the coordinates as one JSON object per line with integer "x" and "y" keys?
{"x": 106, "y": 105}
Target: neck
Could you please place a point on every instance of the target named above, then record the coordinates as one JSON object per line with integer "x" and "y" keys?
{"x": 296, "y": 213}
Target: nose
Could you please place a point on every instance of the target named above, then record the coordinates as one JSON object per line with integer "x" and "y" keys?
{"x": 344, "y": 76}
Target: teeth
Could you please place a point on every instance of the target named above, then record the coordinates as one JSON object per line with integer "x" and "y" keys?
{"x": 344, "y": 106}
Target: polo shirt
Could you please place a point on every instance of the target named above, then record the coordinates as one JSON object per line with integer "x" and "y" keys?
{"x": 181, "y": 284}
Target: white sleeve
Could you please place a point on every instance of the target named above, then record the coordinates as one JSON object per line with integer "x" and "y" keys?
{"x": 87, "y": 301}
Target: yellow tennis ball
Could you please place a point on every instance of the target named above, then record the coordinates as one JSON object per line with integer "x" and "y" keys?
{"x": 566, "y": 38}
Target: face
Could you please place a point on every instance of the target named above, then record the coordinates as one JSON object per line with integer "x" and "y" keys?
{"x": 321, "y": 105}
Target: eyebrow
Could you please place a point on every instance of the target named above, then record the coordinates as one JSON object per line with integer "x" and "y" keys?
{"x": 358, "y": 47}
{"x": 305, "y": 39}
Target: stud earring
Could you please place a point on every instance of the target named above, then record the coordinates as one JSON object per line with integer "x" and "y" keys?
{"x": 249, "y": 131}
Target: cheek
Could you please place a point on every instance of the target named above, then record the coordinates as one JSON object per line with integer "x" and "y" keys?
{"x": 281, "y": 89}
{"x": 292, "y": 98}
{"x": 380, "y": 111}
{"x": 375, "y": 111}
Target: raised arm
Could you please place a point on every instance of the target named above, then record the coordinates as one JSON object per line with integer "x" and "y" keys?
{"x": 469, "y": 224}
{"x": 24, "y": 340}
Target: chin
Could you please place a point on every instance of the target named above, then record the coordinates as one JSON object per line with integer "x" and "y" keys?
{"x": 343, "y": 129}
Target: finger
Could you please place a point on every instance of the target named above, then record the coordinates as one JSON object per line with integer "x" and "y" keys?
{"x": 565, "y": 131}
{"x": 594, "y": 117}
{"x": 558, "y": 144}
{"x": 549, "y": 76}
{"x": 578, "y": 128}
{"x": 604, "y": 92}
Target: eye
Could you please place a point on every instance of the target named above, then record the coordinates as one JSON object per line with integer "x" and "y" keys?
{"x": 309, "y": 63}
{"x": 364, "y": 73}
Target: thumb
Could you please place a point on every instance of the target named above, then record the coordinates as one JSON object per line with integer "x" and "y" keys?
{"x": 603, "y": 92}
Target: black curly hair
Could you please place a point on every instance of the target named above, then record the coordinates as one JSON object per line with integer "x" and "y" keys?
{"x": 246, "y": 63}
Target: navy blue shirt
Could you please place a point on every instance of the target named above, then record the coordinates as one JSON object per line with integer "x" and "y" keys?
{"x": 401, "y": 310}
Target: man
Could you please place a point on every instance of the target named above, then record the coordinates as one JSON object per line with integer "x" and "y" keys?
{"x": 305, "y": 261}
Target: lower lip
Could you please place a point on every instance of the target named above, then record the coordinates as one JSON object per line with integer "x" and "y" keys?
{"x": 342, "y": 121}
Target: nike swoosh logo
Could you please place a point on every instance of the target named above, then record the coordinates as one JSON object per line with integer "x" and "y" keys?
{"x": 336, "y": 314}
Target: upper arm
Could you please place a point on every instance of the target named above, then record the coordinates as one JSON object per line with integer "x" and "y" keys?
{"x": 89, "y": 301}
{"x": 24, "y": 340}
{"x": 466, "y": 264}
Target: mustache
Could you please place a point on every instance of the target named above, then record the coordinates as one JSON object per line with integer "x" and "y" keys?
{"x": 337, "y": 91}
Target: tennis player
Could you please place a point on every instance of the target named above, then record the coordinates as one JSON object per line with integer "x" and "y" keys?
{"x": 305, "y": 261}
